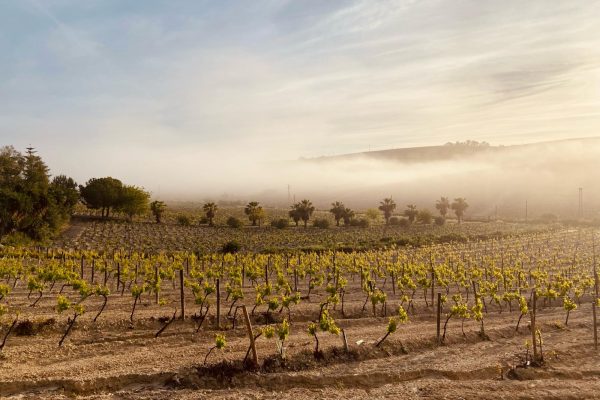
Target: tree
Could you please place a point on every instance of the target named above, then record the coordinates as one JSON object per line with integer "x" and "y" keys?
{"x": 14, "y": 203}
{"x": 255, "y": 212}
{"x": 294, "y": 214}
{"x": 29, "y": 203}
{"x": 304, "y": 210}
{"x": 338, "y": 210}
{"x": 158, "y": 208}
{"x": 210, "y": 209}
{"x": 133, "y": 201}
{"x": 348, "y": 216}
{"x": 101, "y": 194}
{"x": 411, "y": 212}
{"x": 65, "y": 192}
{"x": 425, "y": 217}
{"x": 387, "y": 206}
{"x": 459, "y": 206}
{"x": 41, "y": 218}
{"x": 442, "y": 205}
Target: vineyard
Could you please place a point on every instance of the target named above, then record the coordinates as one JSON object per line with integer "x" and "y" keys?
{"x": 159, "y": 311}
{"x": 151, "y": 238}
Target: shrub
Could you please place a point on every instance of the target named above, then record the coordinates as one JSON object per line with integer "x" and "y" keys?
{"x": 453, "y": 238}
{"x": 321, "y": 223}
{"x": 439, "y": 221}
{"x": 231, "y": 247}
{"x": 361, "y": 223}
{"x": 424, "y": 217}
{"x": 372, "y": 214}
{"x": 398, "y": 221}
{"x": 183, "y": 220}
{"x": 17, "y": 239}
{"x": 203, "y": 221}
{"x": 280, "y": 223}
{"x": 234, "y": 222}
{"x": 404, "y": 222}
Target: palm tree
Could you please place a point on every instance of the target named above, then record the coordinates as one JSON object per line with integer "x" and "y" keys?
{"x": 411, "y": 212}
{"x": 303, "y": 210}
{"x": 348, "y": 215}
{"x": 294, "y": 214}
{"x": 338, "y": 210}
{"x": 255, "y": 212}
{"x": 459, "y": 206}
{"x": 442, "y": 205}
{"x": 210, "y": 209}
{"x": 387, "y": 206}
{"x": 158, "y": 208}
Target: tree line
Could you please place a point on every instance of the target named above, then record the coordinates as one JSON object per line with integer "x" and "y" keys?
{"x": 302, "y": 212}
{"x": 34, "y": 205}
{"x": 106, "y": 194}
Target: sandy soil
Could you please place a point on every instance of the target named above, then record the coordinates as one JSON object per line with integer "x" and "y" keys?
{"x": 111, "y": 359}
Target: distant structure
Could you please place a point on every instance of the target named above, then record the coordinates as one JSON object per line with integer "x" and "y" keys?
{"x": 581, "y": 202}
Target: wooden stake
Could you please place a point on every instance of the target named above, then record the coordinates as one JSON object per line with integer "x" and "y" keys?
{"x": 432, "y": 277}
{"x": 438, "y": 316}
{"x": 533, "y": 329}
{"x": 267, "y": 273}
{"x": 181, "y": 294}
{"x": 218, "y": 323}
{"x": 156, "y": 299}
{"x": 105, "y": 272}
{"x": 595, "y": 326}
{"x": 346, "y": 349}
{"x": 118, "y": 275}
{"x": 595, "y": 271}
{"x": 250, "y": 335}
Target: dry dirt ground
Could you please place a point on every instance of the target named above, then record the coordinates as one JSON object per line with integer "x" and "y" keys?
{"x": 111, "y": 359}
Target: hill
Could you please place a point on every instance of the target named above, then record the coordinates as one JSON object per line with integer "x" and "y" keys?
{"x": 451, "y": 151}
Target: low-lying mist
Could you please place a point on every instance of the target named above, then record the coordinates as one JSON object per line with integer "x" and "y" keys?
{"x": 546, "y": 175}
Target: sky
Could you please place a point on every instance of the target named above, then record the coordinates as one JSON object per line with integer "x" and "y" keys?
{"x": 167, "y": 94}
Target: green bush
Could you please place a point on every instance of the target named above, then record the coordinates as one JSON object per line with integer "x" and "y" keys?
{"x": 361, "y": 223}
{"x": 183, "y": 220}
{"x": 399, "y": 221}
{"x": 280, "y": 223}
{"x": 321, "y": 223}
{"x": 439, "y": 221}
{"x": 424, "y": 217}
{"x": 231, "y": 247}
{"x": 234, "y": 222}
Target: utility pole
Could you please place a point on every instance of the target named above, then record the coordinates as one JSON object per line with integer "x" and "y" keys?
{"x": 526, "y": 210}
{"x": 289, "y": 197}
{"x": 580, "y": 212}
